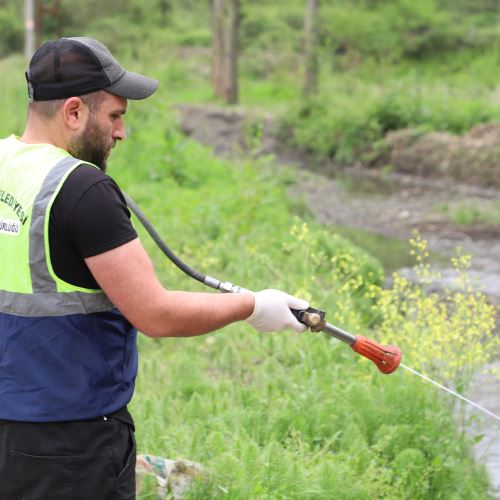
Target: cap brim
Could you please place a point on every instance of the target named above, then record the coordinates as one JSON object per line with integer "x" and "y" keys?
{"x": 133, "y": 86}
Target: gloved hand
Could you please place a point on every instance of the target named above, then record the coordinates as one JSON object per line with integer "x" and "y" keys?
{"x": 272, "y": 311}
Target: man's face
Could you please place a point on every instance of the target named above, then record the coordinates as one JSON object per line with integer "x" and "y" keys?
{"x": 104, "y": 127}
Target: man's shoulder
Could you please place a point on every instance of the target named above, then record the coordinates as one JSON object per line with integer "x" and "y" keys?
{"x": 84, "y": 177}
{"x": 88, "y": 174}
{"x": 84, "y": 180}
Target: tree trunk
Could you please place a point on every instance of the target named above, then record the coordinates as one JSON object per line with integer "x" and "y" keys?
{"x": 231, "y": 56}
{"x": 225, "y": 24}
{"x": 311, "y": 63}
{"x": 218, "y": 47}
{"x": 29, "y": 27}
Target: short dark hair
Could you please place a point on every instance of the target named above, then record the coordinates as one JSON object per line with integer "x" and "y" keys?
{"x": 48, "y": 109}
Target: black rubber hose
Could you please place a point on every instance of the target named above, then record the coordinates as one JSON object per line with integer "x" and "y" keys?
{"x": 161, "y": 244}
{"x": 206, "y": 280}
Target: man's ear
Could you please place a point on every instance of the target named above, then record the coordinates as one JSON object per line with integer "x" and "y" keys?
{"x": 75, "y": 113}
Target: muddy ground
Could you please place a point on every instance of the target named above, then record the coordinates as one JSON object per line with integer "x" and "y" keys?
{"x": 473, "y": 157}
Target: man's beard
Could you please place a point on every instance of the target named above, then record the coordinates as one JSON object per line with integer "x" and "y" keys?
{"x": 92, "y": 146}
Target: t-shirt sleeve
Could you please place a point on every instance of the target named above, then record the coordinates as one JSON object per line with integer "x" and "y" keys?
{"x": 100, "y": 220}
{"x": 89, "y": 216}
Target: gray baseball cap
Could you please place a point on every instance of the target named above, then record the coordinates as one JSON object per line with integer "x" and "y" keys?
{"x": 76, "y": 66}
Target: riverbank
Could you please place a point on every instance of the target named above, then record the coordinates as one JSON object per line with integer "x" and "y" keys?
{"x": 379, "y": 210}
{"x": 371, "y": 204}
{"x": 394, "y": 206}
{"x": 352, "y": 201}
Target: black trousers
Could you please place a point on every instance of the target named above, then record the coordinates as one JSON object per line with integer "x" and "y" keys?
{"x": 84, "y": 460}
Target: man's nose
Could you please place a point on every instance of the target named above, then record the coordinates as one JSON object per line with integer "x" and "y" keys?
{"x": 119, "y": 132}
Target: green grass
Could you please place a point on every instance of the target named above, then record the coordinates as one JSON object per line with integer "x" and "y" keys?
{"x": 269, "y": 415}
{"x": 468, "y": 213}
{"x": 13, "y": 89}
{"x": 287, "y": 416}
{"x": 280, "y": 415}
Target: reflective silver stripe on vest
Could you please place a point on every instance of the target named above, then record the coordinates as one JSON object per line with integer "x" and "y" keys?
{"x": 45, "y": 300}
{"x": 53, "y": 303}
{"x": 41, "y": 280}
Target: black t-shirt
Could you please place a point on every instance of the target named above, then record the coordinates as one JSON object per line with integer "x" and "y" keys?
{"x": 89, "y": 216}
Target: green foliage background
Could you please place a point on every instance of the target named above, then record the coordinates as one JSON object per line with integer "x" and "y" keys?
{"x": 386, "y": 64}
{"x": 285, "y": 415}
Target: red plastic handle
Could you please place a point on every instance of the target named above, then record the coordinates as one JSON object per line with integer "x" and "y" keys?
{"x": 386, "y": 357}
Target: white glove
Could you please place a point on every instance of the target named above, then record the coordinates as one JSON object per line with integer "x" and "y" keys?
{"x": 272, "y": 311}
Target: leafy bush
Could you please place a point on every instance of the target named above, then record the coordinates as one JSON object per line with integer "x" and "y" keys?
{"x": 332, "y": 128}
{"x": 196, "y": 38}
{"x": 11, "y": 32}
{"x": 348, "y": 115}
{"x": 270, "y": 28}
{"x": 13, "y": 89}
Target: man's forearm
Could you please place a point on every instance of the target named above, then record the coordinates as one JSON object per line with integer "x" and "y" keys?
{"x": 188, "y": 314}
{"x": 127, "y": 277}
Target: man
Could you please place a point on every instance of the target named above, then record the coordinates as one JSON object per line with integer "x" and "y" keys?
{"x": 76, "y": 283}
